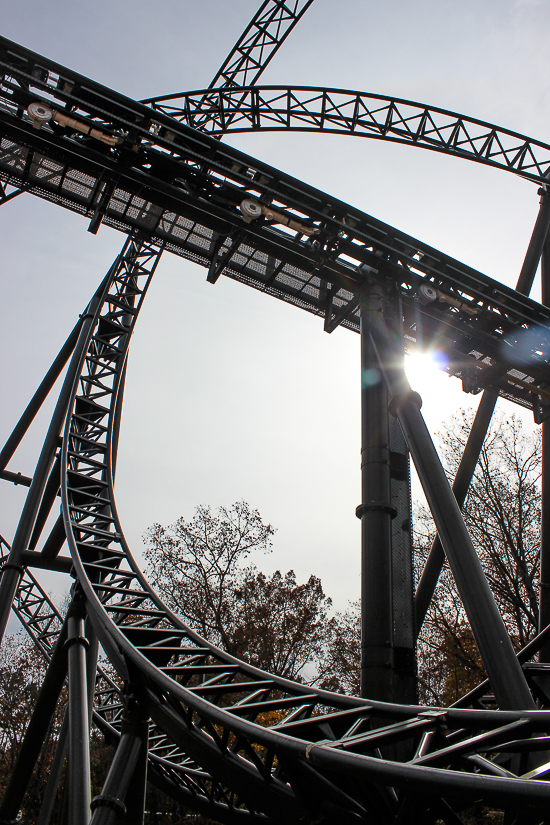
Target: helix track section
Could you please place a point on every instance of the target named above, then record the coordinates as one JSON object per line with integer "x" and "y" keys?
{"x": 275, "y": 747}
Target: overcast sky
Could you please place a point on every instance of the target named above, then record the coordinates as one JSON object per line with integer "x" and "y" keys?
{"x": 232, "y": 394}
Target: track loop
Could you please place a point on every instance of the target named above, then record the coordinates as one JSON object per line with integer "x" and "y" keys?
{"x": 275, "y": 747}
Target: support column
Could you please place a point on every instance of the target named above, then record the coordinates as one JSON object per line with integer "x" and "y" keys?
{"x": 79, "y": 748}
{"x": 376, "y": 513}
{"x": 544, "y": 582}
{"x": 123, "y": 795}
{"x": 497, "y": 653}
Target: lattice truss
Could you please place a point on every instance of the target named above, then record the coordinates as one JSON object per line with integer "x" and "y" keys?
{"x": 340, "y": 111}
{"x": 201, "y": 719}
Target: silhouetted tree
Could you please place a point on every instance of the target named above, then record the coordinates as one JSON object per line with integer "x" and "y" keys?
{"x": 200, "y": 570}
{"x": 502, "y": 513}
{"x": 342, "y": 663}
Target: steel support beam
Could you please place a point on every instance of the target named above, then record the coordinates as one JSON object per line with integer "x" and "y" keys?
{"x": 60, "y": 564}
{"x": 54, "y": 542}
{"x": 536, "y": 246}
{"x": 503, "y": 669}
{"x": 50, "y": 494}
{"x": 544, "y": 581}
{"x": 137, "y": 724}
{"x": 78, "y": 774}
{"x": 123, "y": 794}
{"x": 461, "y": 484}
{"x": 39, "y": 397}
{"x": 376, "y": 513}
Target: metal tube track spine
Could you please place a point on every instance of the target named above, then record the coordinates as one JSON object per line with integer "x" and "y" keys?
{"x": 496, "y": 650}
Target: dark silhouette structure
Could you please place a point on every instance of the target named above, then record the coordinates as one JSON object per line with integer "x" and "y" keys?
{"x": 189, "y": 717}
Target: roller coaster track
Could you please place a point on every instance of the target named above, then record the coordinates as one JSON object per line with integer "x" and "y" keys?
{"x": 169, "y": 768}
{"x": 211, "y": 705}
{"x": 359, "y": 114}
{"x": 228, "y": 739}
{"x": 208, "y": 703}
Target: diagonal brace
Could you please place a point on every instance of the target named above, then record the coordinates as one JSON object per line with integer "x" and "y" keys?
{"x": 494, "y": 644}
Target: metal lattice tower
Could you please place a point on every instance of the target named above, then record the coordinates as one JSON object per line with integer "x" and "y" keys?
{"x": 184, "y": 713}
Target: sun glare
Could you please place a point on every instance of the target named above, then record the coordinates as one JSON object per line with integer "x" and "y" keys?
{"x": 423, "y": 365}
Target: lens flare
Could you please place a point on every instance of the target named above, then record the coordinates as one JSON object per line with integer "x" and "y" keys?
{"x": 420, "y": 365}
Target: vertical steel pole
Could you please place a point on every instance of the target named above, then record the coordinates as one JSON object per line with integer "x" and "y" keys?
{"x": 376, "y": 513}
{"x": 123, "y": 794}
{"x": 497, "y": 653}
{"x": 78, "y": 774}
{"x": 544, "y": 581}
{"x": 138, "y": 723}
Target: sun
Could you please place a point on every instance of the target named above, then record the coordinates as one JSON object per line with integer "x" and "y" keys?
{"x": 423, "y": 365}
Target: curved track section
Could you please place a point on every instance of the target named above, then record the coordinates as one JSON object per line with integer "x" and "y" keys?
{"x": 341, "y": 111}
{"x": 279, "y": 750}
{"x": 168, "y": 767}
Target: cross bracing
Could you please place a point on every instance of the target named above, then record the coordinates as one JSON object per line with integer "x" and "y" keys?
{"x": 359, "y": 114}
{"x": 303, "y": 246}
{"x": 329, "y": 757}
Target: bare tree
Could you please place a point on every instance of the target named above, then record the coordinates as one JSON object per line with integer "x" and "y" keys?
{"x": 342, "y": 664}
{"x": 283, "y": 625}
{"x": 502, "y": 513}
{"x": 200, "y": 570}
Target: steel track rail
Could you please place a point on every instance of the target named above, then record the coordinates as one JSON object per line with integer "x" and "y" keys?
{"x": 361, "y": 757}
{"x": 212, "y": 706}
{"x": 359, "y": 114}
{"x": 242, "y": 218}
